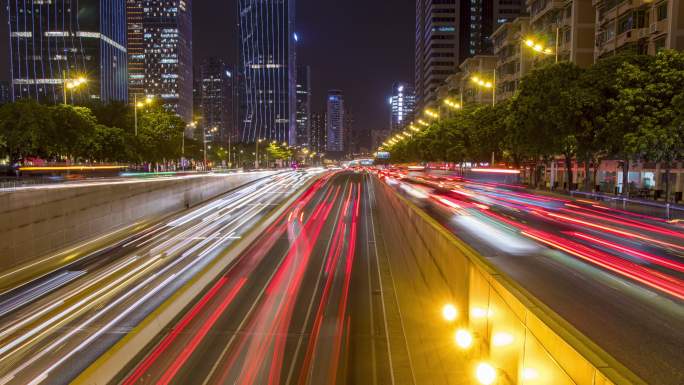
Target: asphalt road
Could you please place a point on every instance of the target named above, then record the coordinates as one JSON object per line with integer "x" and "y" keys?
{"x": 53, "y": 328}
{"x": 617, "y": 277}
{"x": 301, "y": 306}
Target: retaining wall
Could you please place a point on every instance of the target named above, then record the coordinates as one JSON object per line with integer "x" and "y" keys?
{"x": 430, "y": 266}
{"x": 37, "y": 225}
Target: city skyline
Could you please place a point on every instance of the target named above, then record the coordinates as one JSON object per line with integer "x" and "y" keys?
{"x": 334, "y": 64}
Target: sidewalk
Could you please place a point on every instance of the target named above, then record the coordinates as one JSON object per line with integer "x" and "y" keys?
{"x": 669, "y": 211}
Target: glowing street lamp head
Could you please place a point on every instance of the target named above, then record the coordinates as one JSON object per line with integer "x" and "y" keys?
{"x": 529, "y": 43}
{"x": 463, "y": 338}
{"x": 538, "y": 47}
{"x": 449, "y": 312}
{"x": 485, "y": 373}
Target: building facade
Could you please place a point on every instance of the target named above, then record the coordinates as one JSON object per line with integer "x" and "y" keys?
{"x": 513, "y": 58}
{"x": 450, "y": 31}
{"x": 168, "y": 68}
{"x": 216, "y": 100}
{"x": 438, "y": 46}
{"x": 641, "y": 26}
{"x": 303, "y": 106}
{"x": 334, "y": 124}
{"x": 568, "y": 25}
{"x": 402, "y": 105}
{"x": 268, "y": 66}
{"x": 5, "y": 92}
{"x": 52, "y": 44}
{"x": 318, "y": 132}
{"x": 135, "y": 46}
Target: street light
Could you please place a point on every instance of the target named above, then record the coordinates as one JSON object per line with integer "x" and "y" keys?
{"x": 485, "y": 373}
{"x": 204, "y": 132}
{"x": 487, "y": 84}
{"x": 70, "y": 84}
{"x": 431, "y": 113}
{"x": 136, "y": 105}
{"x": 256, "y": 154}
{"x": 539, "y": 48}
{"x": 463, "y": 338}
{"x": 450, "y": 103}
{"x": 449, "y": 312}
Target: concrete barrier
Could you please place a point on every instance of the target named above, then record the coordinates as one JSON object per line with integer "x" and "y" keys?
{"x": 45, "y": 228}
{"x": 516, "y": 334}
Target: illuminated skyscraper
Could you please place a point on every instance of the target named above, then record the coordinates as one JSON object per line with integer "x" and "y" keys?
{"x": 167, "y": 40}
{"x": 135, "y": 46}
{"x": 318, "y": 132}
{"x": 303, "y": 105}
{"x": 216, "y": 100}
{"x": 335, "y": 122}
{"x": 402, "y": 104}
{"x": 53, "y": 41}
{"x": 267, "y": 61}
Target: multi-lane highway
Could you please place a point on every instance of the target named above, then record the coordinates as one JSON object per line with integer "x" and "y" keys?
{"x": 53, "y": 328}
{"x": 616, "y": 276}
{"x": 330, "y": 293}
{"x": 299, "y": 307}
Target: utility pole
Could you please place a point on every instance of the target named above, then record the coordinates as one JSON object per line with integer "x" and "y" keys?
{"x": 557, "y": 42}
{"x": 204, "y": 137}
{"x": 64, "y": 86}
{"x": 135, "y": 113}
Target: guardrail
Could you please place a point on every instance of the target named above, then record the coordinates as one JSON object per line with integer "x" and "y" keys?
{"x": 661, "y": 210}
{"x": 511, "y": 335}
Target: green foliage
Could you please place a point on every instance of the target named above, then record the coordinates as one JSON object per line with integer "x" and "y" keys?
{"x": 626, "y": 106}
{"x": 101, "y": 132}
{"x": 73, "y": 129}
{"x": 160, "y": 135}
{"x": 25, "y": 129}
{"x": 278, "y": 151}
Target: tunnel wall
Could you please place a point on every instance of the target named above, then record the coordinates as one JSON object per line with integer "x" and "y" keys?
{"x": 38, "y": 225}
{"x": 430, "y": 266}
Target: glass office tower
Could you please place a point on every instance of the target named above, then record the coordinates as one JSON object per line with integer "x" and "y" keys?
{"x": 267, "y": 62}
{"x": 54, "y": 42}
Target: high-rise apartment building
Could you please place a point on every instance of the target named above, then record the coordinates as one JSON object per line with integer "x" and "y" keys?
{"x": 267, "y": 62}
{"x": 167, "y": 41}
{"x": 437, "y": 46}
{"x": 402, "y": 104}
{"x": 303, "y": 106}
{"x": 335, "y": 122}
{"x": 216, "y": 100}
{"x": 641, "y": 26}
{"x": 450, "y": 31}
{"x": 505, "y": 11}
{"x": 514, "y": 58}
{"x": 52, "y": 43}
{"x": 318, "y": 133}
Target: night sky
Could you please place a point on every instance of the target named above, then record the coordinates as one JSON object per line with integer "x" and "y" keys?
{"x": 358, "y": 46}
